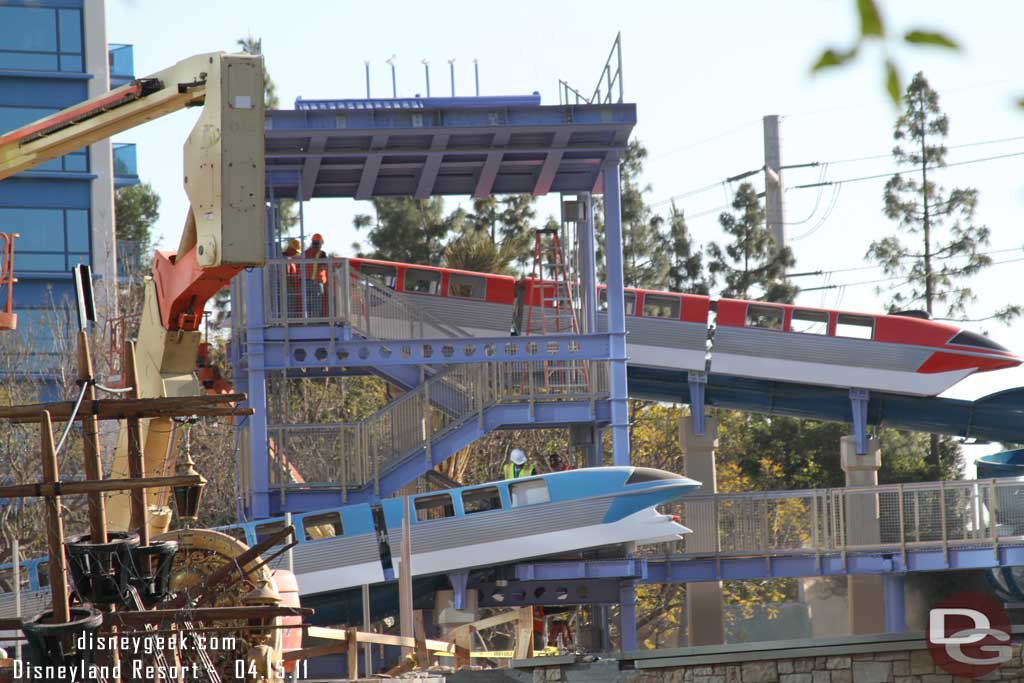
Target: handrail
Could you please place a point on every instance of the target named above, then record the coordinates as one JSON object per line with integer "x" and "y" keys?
{"x": 328, "y": 291}
{"x": 363, "y": 450}
{"x": 889, "y": 517}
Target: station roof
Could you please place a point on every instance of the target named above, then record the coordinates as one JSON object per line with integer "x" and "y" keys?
{"x": 423, "y": 147}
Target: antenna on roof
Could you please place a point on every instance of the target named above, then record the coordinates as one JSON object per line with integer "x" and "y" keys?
{"x": 366, "y": 63}
{"x": 426, "y": 72}
{"x": 394, "y": 83}
{"x": 451, "y": 70}
{"x": 476, "y": 75}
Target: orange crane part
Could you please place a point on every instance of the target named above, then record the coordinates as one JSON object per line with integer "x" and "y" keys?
{"x": 8, "y": 319}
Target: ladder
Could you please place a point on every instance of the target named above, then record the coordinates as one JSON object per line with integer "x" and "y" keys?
{"x": 551, "y": 310}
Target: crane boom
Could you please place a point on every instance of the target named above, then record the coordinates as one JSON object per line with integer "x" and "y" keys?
{"x": 223, "y": 230}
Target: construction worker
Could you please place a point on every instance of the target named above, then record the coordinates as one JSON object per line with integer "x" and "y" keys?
{"x": 316, "y": 278}
{"x": 517, "y": 466}
{"x": 293, "y": 282}
{"x": 558, "y": 464}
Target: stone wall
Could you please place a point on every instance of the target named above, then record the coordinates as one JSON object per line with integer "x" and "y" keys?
{"x": 881, "y": 659}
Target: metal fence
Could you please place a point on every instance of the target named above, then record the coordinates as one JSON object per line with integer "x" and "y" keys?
{"x": 327, "y": 291}
{"x": 354, "y": 454}
{"x": 894, "y": 517}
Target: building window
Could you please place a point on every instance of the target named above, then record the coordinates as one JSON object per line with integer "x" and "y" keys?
{"x": 41, "y": 39}
{"x": 16, "y": 117}
{"x": 44, "y": 331}
{"x": 51, "y": 239}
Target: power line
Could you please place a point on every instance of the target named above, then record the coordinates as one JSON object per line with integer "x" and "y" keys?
{"x": 888, "y": 155}
{"x": 890, "y": 279}
{"x": 899, "y": 171}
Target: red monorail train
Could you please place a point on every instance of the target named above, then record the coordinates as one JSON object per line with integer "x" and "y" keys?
{"x": 902, "y": 353}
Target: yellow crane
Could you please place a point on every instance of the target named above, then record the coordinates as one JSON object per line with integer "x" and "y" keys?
{"x": 224, "y": 181}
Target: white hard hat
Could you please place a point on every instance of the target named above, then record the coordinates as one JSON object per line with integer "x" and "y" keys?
{"x": 517, "y": 456}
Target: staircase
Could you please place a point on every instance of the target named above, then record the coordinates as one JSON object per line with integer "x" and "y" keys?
{"x": 444, "y": 409}
{"x": 411, "y": 435}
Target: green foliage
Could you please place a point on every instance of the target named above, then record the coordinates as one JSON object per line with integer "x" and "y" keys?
{"x": 872, "y": 28}
{"x": 657, "y": 252}
{"x": 136, "y": 210}
{"x": 408, "y": 230}
{"x": 686, "y": 270}
{"x": 750, "y": 266}
{"x": 508, "y": 223}
{"x": 931, "y": 269}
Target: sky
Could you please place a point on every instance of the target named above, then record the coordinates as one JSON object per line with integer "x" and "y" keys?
{"x": 702, "y": 76}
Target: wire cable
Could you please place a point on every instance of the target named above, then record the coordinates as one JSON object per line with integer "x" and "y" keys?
{"x": 900, "y": 171}
{"x": 71, "y": 419}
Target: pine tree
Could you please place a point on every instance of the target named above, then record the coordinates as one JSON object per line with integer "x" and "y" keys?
{"x": 931, "y": 269}
{"x": 136, "y": 210}
{"x": 686, "y": 269}
{"x": 508, "y": 223}
{"x": 409, "y": 230}
{"x": 750, "y": 266}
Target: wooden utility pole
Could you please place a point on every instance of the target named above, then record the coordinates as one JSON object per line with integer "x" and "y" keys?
{"x": 58, "y": 569}
{"x": 136, "y": 462}
{"x": 91, "y": 441}
{"x": 773, "y": 188}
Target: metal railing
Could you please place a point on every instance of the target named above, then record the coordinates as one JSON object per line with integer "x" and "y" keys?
{"x": 326, "y": 291}
{"x": 355, "y": 454}
{"x": 893, "y": 517}
{"x": 609, "y": 84}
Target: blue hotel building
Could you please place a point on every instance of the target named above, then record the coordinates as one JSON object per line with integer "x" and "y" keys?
{"x": 54, "y": 53}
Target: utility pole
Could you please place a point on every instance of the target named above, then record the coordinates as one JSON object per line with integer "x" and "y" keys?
{"x": 773, "y": 188}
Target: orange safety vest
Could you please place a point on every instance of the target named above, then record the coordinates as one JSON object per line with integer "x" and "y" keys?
{"x": 315, "y": 271}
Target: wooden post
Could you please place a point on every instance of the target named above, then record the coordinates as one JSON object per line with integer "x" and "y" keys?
{"x": 91, "y": 441}
{"x": 352, "y": 640}
{"x": 463, "y": 647}
{"x": 420, "y": 633}
{"x": 367, "y": 621}
{"x": 136, "y": 463}
{"x": 405, "y": 581}
{"x": 54, "y": 527}
{"x": 524, "y": 633}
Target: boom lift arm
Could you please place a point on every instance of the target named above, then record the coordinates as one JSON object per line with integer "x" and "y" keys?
{"x": 223, "y": 233}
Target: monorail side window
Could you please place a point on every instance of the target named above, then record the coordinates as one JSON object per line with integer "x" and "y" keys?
{"x": 434, "y": 507}
{"x": 467, "y": 286}
{"x": 481, "y": 500}
{"x": 809, "y": 322}
{"x": 264, "y": 531}
{"x": 529, "y": 492}
{"x": 386, "y": 274}
{"x": 856, "y": 326}
{"x": 629, "y": 299}
{"x": 661, "y": 306}
{"x": 422, "y": 281}
{"x": 7, "y": 579}
{"x": 322, "y": 526}
{"x": 767, "y": 317}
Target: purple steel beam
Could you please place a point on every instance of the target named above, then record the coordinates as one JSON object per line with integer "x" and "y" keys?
{"x": 428, "y": 172}
{"x": 549, "y": 169}
{"x": 489, "y": 172}
{"x": 311, "y": 166}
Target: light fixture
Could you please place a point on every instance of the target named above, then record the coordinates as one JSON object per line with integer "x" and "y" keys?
{"x": 188, "y": 496}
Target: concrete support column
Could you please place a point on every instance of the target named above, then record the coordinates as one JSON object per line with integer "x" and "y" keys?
{"x": 704, "y": 622}
{"x": 864, "y": 593}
